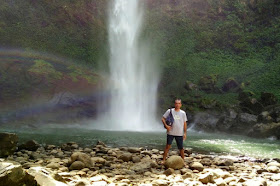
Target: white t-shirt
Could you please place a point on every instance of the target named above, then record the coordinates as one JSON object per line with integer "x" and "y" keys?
{"x": 179, "y": 119}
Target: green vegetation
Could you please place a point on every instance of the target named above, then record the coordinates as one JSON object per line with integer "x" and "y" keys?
{"x": 45, "y": 69}
{"x": 195, "y": 39}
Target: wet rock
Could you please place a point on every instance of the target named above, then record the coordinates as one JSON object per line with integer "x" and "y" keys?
{"x": 196, "y": 166}
{"x": 206, "y": 178}
{"x": 30, "y": 145}
{"x": 12, "y": 174}
{"x": 206, "y": 121}
{"x": 146, "y": 153}
{"x": 226, "y": 162}
{"x": 265, "y": 130}
{"x": 273, "y": 169}
{"x": 141, "y": 167}
{"x": 160, "y": 182}
{"x": 255, "y": 182}
{"x": 77, "y": 165}
{"x": 133, "y": 150}
{"x": 136, "y": 159}
{"x": 277, "y": 164}
{"x": 126, "y": 157}
{"x": 101, "y": 143}
{"x": 260, "y": 171}
{"x": 8, "y": 144}
{"x": 168, "y": 171}
{"x": 188, "y": 151}
{"x": 174, "y": 162}
{"x": 53, "y": 165}
{"x": 98, "y": 160}
{"x": 79, "y": 156}
{"x": 220, "y": 182}
{"x": 206, "y": 161}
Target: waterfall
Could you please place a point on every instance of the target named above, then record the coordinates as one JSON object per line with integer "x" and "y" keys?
{"x": 134, "y": 78}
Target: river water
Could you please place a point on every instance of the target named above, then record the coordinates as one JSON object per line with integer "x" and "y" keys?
{"x": 208, "y": 143}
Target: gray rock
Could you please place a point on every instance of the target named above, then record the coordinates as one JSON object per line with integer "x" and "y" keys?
{"x": 273, "y": 169}
{"x": 30, "y": 145}
{"x": 174, "y": 162}
{"x": 133, "y": 150}
{"x": 141, "y": 167}
{"x": 44, "y": 177}
{"x": 79, "y": 156}
{"x": 8, "y": 144}
{"x": 98, "y": 160}
{"x": 126, "y": 157}
{"x": 248, "y": 118}
{"x": 255, "y": 182}
{"x": 77, "y": 165}
{"x": 53, "y": 165}
{"x": 12, "y": 174}
{"x": 226, "y": 162}
{"x": 136, "y": 159}
{"x": 206, "y": 178}
{"x": 196, "y": 166}
{"x": 160, "y": 182}
{"x": 168, "y": 171}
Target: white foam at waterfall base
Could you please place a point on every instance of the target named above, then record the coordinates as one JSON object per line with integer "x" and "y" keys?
{"x": 134, "y": 76}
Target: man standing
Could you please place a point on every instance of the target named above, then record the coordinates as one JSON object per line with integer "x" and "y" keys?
{"x": 178, "y": 129}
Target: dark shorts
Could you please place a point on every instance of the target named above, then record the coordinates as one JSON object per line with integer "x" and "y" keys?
{"x": 179, "y": 140}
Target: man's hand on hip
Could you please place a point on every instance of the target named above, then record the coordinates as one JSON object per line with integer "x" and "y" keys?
{"x": 168, "y": 128}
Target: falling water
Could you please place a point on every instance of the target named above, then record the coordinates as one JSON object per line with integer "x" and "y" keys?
{"x": 132, "y": 68}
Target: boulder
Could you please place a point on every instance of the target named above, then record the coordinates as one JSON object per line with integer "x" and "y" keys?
{"x": 77, "y": 165}
{"x": 206, "y": 178}
{"x": 268, "y": 99}
{"x": 31, "y": 145}
{"x": 126, "y": 157}
{"x": 79, "y": 156}
{"x": 44, "y": 177}
{"x": 208, "y": 84}
{"x": 226, "y": 162}
{"x": 265, "y": 130}
{"x": 265, "y": 117}
{"x": 8, "y": 144}
{"x": 273, "y": 169}
{"x": 136, "y": 159}
{"x": 243, "y": 123}
{"x": 249, "y": 104}
{"x": 205, "y": 121}
{"x": 255, "y": 182}
{"x": 231, "y": 85}
{"x": 208, "y": 103}
{"x": 141, "y": 167}
{"x": 11, "y": 174}
{"x": 168, "y": 171}
{"x": 98, "y": 160}
{"x": 174, "y": 162}
{"x": 53, "y": 165}
{"x": 196, "y": 166}
{"x": 133, "y": 150}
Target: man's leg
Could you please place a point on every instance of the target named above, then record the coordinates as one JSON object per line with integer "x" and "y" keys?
{"x": 167, "y": 147}
{"x": 179, "y": 142}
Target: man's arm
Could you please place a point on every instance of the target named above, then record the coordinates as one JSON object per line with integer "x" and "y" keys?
{"x": 164, "y": 123}
{"x": 185, "y": 130}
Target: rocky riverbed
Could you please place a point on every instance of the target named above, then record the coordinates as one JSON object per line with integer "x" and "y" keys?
{"x": 70, "y": 164}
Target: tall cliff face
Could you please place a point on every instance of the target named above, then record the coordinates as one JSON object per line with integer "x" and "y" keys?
{"x": 194, "y": 38}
